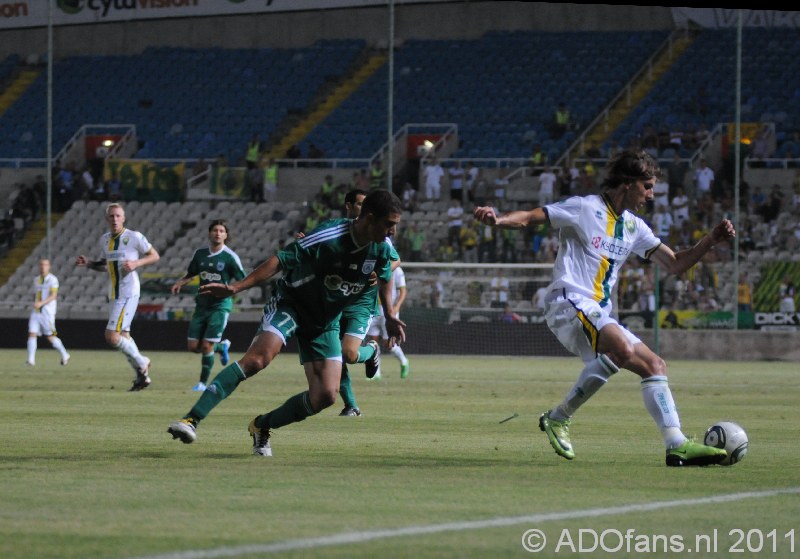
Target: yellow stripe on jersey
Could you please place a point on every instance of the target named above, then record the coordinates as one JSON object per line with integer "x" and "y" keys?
{"x": 113, "y": 266}
{"x": 599, "y": 284}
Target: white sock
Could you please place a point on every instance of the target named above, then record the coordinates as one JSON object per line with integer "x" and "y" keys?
{"x": 58, "y": 345}
{"x": 397, "y": 351}
{"x": 128, "y": 347}
{"x": 31, "y": 350}
{"x": 592, "y": 378}
{"x": 659, "y": 403}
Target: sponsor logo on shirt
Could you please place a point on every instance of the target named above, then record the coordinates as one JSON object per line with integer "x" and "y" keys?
{"x": 610, "y": 247}
{"x": 336, "y": 283}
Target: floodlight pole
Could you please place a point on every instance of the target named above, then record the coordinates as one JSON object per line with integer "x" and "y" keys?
{"x": 49, "y": 155}
{"x": 390, "y": 105}
{"x": 737, "y": 171}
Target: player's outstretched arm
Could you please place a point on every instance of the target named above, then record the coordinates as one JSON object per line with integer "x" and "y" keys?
{"x": 96, "y": 265}
{"x": 679, "y": 262}
{"x": 262, "y": 273}
{"x": 512, "y": 220}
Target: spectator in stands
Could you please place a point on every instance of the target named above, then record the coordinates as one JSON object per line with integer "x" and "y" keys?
{"x": 761, "y": 144}
{"x": 744, "y": 294}
{"x": 416, "y": 240}
{"x": 455, "y": 214}
{"x": 680, "y": 207}
{"x": 774, "y": 204}
{"x": 270, "y": 191}
{"x": 661, "y": 192}
{"x": 468, "y": 240}
{"x": 327, "y": 191}
{"x": 500, "y": 287}
{"x": 253, "y": 152}
{"x": 456, "y": 173}
{"x": 471, "y": 176}
{"x": 509, "y": 316}
{"x": 361, "y": 181}
{"x": 501, "y": 183}
{"x": 508, "y": 245}
{"x": 549, "y": 248}
{"x": 433, "y": 174}
{"x": 561, "y": 121}
{"x": 409, "y": 197}
{"x": 662, "y": 223}
{"x": 40, "y": 190}
{"x": 538, "y": 157}
{"x": 547, "y": 184}
{"x": 757, "y": 201}
{"x": 65, "y": 182}
{"x": 446, "y": 251}
{"x": 786, "y": 294}
{"x": 703, "y": 179}
{"x": 796, "y": 190}
{"x": 315, "y": 152}
{"x": 377, "y": 175}
{"x": 676, "y": 173}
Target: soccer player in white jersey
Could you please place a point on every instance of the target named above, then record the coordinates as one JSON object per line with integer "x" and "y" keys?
{"x": 43, "y": 317}
{"x": 377, "y": 329}
{"x": 123, "y": 251}
{"x": 597, "y": 233}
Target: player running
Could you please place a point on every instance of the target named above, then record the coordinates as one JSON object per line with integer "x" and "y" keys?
{"x": 213, "y": 264}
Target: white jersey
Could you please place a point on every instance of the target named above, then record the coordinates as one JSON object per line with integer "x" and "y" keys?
{"x": 594, "y": 242}
{"x": 44, "y": 286}
{"x": 398, "y": 281}
{"x": 127, "y": 245}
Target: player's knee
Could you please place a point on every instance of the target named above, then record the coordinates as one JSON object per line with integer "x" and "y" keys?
{"x": 350, "y": 354}
{"x": 324, "y": 398}
{"x": 112, "y": 338}
{"x": 193, "y": 346}
{"x": 658, "y": 366}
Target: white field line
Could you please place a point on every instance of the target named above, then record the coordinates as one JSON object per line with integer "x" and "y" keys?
{"x": 534, "y": 519}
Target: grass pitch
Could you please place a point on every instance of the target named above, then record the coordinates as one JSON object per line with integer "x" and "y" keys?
{"x": 430, "y": 470}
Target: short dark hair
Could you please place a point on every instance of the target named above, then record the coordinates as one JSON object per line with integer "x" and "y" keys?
{"x": 381, "y": 203}
{"x": 628, "y": 166}
{"x": 350, "y": 197}
{"x": 215, "y": 222}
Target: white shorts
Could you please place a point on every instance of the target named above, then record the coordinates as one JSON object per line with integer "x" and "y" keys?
{"x": 42, "y": 323}
{"x": 120, "y": 314}
{"x": 378, "y": 327}
{"x": 576, "y": 321}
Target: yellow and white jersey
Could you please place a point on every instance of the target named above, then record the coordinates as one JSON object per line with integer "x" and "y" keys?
{"x": 43, "y": 287}
{"x": 594, "y": 242}
{"x": 116, "y": 249}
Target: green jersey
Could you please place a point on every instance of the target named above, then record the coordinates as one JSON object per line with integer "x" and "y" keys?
{"x": 222, "y": 266}
{"x": 326, "y": 271}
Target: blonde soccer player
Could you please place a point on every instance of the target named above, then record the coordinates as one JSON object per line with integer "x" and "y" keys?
{"x": 122, "y": 252}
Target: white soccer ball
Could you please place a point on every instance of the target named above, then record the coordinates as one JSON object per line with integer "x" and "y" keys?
{"x": 731, "y": 437}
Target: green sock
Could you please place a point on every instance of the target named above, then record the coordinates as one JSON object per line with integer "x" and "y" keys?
{"x": 365, "y": 352}
{"x": 224, "y": 384}
{"x": 295, "y": 409}
{"x": 206, "y": 364}
{"x": 346, "y": 389}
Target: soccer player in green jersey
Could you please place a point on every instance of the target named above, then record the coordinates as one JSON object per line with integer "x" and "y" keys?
{"x": 323, "y": 273}
{"x": 213, "y": 264}
{"x": 356, "y": 320}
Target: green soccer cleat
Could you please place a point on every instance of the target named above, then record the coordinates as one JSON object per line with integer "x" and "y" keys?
{"x": 692, "y": 453}
{"x": 558, "y": 434}
{"x": 404, "y": 370}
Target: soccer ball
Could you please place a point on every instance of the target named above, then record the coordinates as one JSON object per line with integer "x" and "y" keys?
{"x": 731, "y": 437}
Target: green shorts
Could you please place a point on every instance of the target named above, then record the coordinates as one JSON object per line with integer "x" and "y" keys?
{"x": 315, "y": 344}
{"x": 208, "y": 324}
{"x": 355, "y": 321}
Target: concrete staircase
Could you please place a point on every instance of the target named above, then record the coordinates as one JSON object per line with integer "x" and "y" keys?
{"x": 328, "y": 105}
{"x": 17, "y": 88}
{"x": 619, "y": 112}
{"x": 15, "y": 257}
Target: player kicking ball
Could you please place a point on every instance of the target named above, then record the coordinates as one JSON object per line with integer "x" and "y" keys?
{"x": 598, "y": 233}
